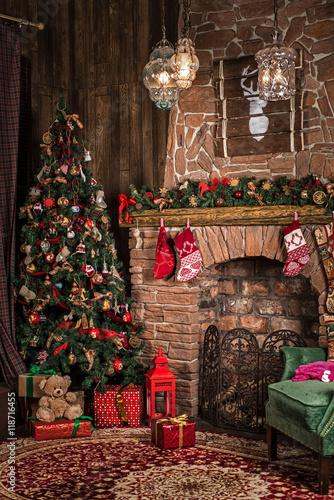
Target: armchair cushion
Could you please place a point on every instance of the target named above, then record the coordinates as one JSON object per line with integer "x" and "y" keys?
{"x": 302, "y": 403}
{"x": 293, "y": 357}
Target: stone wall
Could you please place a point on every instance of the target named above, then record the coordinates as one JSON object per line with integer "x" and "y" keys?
{"x": 229, "y": 29}
{"x": 173, "y": 314}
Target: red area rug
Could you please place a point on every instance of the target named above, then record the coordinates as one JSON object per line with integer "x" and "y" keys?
{"x": 122, "y": 464}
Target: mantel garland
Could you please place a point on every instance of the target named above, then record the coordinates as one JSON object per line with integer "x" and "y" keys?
{"x": 232, "y": 192}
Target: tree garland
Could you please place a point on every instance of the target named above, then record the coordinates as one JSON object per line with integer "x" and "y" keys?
{"x": 234, "y": 192}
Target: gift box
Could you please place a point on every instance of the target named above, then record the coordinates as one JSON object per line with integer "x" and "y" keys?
{"x": 29, "y": 384}
{"x": 119, "y": 405}
{"x": 62, "y": 428}
{"x": 175, "y": 432}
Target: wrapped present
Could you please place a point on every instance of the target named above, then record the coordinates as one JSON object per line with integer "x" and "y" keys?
{"x": 176, "y": 432}
{"x": 62, "y": 428}
{"x": 29, "y": 382}
{"x": 119, "y": 405}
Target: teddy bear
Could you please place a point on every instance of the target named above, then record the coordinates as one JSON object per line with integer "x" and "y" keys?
{"x": 57, "y": 402}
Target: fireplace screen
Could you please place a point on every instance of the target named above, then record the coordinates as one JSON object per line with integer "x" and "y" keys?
{"x": 236, "y": 373}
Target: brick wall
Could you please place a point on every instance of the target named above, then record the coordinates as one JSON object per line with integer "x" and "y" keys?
{"x": 240, "y": 284}
{"x": 230, "y": 29}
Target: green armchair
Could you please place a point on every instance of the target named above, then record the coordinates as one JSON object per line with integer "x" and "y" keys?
{"x": 302, "y": 410}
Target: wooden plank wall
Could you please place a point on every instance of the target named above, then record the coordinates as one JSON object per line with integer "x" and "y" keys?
{"x": 94, "y": 51}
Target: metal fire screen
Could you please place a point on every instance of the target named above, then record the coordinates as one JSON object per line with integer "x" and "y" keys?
{"x": 236, "y": 373}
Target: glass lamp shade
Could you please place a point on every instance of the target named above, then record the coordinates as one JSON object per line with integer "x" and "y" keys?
{"x": 276, "y": 72}
{"x": 158, "y": 76}
{"x": 184, "y": 63}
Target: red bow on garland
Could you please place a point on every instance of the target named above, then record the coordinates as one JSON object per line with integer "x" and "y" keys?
{"x": 124, "y": 204}
{"x": 204, "y": 187}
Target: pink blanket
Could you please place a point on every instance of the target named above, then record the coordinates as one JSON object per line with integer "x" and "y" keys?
{"x": 320, "y": 370}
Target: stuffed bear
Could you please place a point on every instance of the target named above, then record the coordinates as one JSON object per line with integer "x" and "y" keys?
{"x": 57, "y": 402}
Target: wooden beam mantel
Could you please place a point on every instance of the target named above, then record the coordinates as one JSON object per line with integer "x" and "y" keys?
{"x": 230, "y": 216}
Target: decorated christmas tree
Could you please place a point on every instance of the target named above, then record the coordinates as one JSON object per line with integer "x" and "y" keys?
{"x": 72, "y": 313}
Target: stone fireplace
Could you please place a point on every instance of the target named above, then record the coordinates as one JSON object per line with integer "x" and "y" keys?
{"x": 241, "y": 284}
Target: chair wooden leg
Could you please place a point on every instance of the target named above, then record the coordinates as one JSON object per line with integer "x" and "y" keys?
{"x": 323, "y": 474}
{"x": 272, "y": 442}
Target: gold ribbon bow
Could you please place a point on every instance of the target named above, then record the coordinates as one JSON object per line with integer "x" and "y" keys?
{"x": 162, "y": 201}
{"x": 72, "y": 117}
{"x": 252, "y": 188}
{"x": 181, "y": 420}
{"x": 47, "y": 147}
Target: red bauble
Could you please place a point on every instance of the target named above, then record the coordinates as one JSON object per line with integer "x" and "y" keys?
{"x": 88, "y": 270}
{"x": 33, "y": 318}
{"x": 90, "y": 223}
{"x": 118, "y": 364}
{"x": 49, "y": 257}
{"x": 294, "y": 196}
{"x": 94, "y": 333}
{"x": 38, "y": 208}
{"x": 97, "y": 279}
{"x": 126, "y": 317}
{"x": 238, "y": 194}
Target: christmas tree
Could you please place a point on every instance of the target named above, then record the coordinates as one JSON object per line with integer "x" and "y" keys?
{"x": 72, "y": 313}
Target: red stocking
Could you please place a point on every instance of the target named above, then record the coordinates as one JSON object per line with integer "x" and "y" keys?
{"x": 191, "y": 259}
{"x": 298, "y": 251}
{"x": 164, "y": 256}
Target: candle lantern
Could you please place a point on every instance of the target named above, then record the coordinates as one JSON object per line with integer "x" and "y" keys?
{"x": 160, "y": 379}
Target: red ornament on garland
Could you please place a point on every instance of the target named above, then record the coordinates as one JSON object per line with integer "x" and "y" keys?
{"x": 118, "y": 364}
{"x": 238, "y": 195}
{"x": 49, "y": 202}
{"x": 94, "y": 333}
{"x": 38, "y": 208}
{"x": 33, "y": 319}
{"x": 49, "y": 258}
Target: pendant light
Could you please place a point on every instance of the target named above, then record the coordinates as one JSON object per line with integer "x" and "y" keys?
{"x": 276, "y": 65}
{"x": 184, "y": 62}
{"x": 158, "y": 74}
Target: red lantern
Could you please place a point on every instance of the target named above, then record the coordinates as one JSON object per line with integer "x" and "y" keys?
{"x": 118, "y": 364}
{"x": 33, "y": 319}
{"x": 94, "y": 333}
{"x": 160, "y": 379}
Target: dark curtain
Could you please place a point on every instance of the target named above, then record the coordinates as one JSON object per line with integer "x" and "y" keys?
{"x": 10, "y": 360}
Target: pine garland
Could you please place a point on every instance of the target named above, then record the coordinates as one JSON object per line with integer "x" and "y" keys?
{"x": 235, "y": 192}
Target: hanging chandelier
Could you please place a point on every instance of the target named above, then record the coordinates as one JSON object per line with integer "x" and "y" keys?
{"x": 158, "y": 74}
{"x": 184, "y": 62}
{"x": 276, "y": 65}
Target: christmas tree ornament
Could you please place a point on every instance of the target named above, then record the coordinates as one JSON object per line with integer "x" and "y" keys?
{"x": 34, "y": 341}
{"x": 118, "y": 365}
{"x": 23, "y": 248}
{"x": 59, "y": 349}
{"x": 92, "y": 254}
{"x": 37, "y": 208}
{"x": 219, "y": 202}
{"x": 238, "y": 195}
{"x": 106, "y": 305}
{"x": 190, "y": 256}
{"x": 89, "y": 224}
{"x": 81, "y": 248}
{"x": 235, "y": 181}
{"x": 97, "y": 279}
{"x": 87, "y": 156}
{"x": 111, "y": 369}
{"x": 193, "y": 200}
{"x": 297, "y": 249}
{"x": 52, "y": 232}
{"x": 267, "y": 184}
{"x": 65, "y": 222}
{"x": 94, "y": 333}
{"x": 63, "y": 254}
{"x": 304, "y": 194}
{"x": 100, "y": 203}
{"x": 319, "y": 197}
{"x": 42, "y": 357}
{"x": 63, "y": 201}
{"x": 90, "y": 357}
{"x": 75, "y": 209}
{"x": 126, "y": 316}
{"x": 92, "y": 199}
{"x": 31, "y": 268}
{"x": 45, "y": 246}
{"x": 49, "y": 257}
{"x": 93, "y": 182}
{"x": 59, "y": 285}
{"x": 164, "y": 255}
{"x": 33, "y": 318}
{"x": 70, "y": 233}
{"x": 49, "y": 202}
{"x": 134, "y": 342}
{"x": 325, "y": 241}
{"x": 26, "y": 293}
{"x": 74, "y": 170}
{"x": 47, "y": 281}
{"x": 75, "y": 288}
{"x": 72, "y": 359}
{"x": 88, "y": 270}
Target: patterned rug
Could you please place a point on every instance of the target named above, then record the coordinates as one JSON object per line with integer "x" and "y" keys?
{"x": 122, "y": 464}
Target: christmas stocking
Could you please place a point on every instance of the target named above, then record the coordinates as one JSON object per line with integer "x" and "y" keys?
{"x": 164, "y": 256}
{"x": 298, "y": 251}
{"x": 325, "y": 240}
{"x": 191, "y": 259}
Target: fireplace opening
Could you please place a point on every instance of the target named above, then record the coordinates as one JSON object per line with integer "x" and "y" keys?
{"x": 255, "y": 294}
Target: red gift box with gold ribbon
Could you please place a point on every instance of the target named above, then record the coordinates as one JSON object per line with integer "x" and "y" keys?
{"x": 119, "y": 405}
{"x": 175, "y": 432}
{"x": 62, "y": 428}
